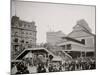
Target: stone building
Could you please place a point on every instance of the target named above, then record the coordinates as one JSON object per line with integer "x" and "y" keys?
{"x": 23, "y": 35}
{"x": 80, "y": 42}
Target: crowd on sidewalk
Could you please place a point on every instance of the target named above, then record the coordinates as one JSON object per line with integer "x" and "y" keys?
{"x": 73, "y": 65}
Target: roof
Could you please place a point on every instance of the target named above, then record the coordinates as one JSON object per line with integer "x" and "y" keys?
{"x": 72, "y": 39}
{"x": 81, "y": 29}
{"x": 22, "y": 54}
{"x": 80, "y": 33}
{"x": 82, "y": 24}
{"x": 86, "y": 49}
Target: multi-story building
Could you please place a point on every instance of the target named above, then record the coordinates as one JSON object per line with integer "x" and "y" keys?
{"x": 23, "y": 35}
{"x": 80, "y": 42}
{"x": 55, "y": 37}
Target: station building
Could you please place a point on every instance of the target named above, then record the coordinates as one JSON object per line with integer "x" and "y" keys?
{"x": 80, "y": 42}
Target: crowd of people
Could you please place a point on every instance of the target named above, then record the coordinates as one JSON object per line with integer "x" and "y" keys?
{"x": 72, "y": 65}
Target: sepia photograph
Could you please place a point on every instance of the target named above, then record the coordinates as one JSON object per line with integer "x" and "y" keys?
{"x": 52, "y": 37}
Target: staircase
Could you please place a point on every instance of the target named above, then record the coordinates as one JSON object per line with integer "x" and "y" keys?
{"x": 15, "y": 54}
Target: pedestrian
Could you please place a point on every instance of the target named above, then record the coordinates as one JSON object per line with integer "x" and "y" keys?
{"x": 25, "y": 71}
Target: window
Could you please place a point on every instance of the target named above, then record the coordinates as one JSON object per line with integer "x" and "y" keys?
{"x": 69, "y": 46}
{"x": 16, "y": 40}
{"x": 63, "y": 47}
{"x": 26, "y": 32}
{"x": 83, "y": 41}
{"x": 27, "y": 42}
{"x": 16, "y": 24}
{"x": 30, "y": 33}
{"x": 16, "y": 47}
{"x": 22, "y": 32}
{"x": 20, "y": 24}
{"x": 31, "y": 40}
{"x": 22, "y": 41}
{"x": 28, "y": 25}
{"x": 24, "y": 25}
{"x": 16, "y": 33}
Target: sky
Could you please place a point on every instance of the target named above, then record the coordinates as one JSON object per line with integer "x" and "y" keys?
{"x": 53, "y": 16}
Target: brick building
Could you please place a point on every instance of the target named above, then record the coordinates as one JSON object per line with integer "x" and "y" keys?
{"x": 23, "y": 35}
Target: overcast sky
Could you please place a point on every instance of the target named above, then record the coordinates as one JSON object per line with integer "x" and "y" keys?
{"x": 55, "y": 17}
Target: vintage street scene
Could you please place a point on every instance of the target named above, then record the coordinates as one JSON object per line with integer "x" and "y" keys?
{"x": 51, "y": 37}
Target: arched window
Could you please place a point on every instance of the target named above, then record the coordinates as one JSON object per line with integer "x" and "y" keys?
{"x": 83, "y": 41}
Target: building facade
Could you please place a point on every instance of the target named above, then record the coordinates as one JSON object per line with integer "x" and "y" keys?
{"x": 23, "y": 35}
{"x": 80, "y": 42}
{"x": 55, "y": 37}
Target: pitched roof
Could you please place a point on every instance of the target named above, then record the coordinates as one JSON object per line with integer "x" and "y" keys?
{"x": 80, "y": 33}
{"x": 71, "y": 39}
{"x": 26, "y": 51}
{"x": 82, "y": 24}
{"x": 81, "y": 29}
